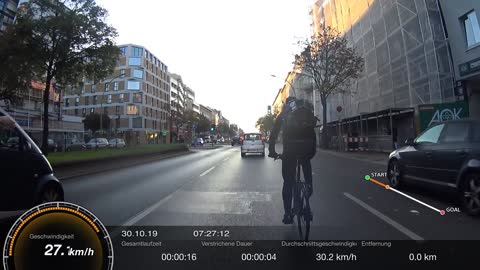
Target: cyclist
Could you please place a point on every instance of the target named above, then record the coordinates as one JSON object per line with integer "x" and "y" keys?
{"x": 299, "y": 143}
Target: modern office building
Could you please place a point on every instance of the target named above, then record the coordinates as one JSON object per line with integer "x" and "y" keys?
{"x": 8, "y": 11}
{"x": 463, "y": 34}
{"x": 29, "y": 115}
{"x": 136, "y": 97}
{"x": 178, "y": 94}
{"x": 407, "y": 72}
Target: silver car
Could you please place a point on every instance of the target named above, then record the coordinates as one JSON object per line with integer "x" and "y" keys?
{"x": 97, "y": 143}
{"x": 117, "y": 143}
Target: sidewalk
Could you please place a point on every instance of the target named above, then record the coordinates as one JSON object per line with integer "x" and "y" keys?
{"x": 372, "y": 157}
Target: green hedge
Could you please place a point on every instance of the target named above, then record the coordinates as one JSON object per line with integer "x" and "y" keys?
{"x": 69, "y": 157}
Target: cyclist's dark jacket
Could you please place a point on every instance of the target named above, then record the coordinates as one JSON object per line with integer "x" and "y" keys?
{"x": 290, "y": 147}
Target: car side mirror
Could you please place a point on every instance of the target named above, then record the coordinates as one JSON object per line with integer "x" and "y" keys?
{"x": 410, "y": 142}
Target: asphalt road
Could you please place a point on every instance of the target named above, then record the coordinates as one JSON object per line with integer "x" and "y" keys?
{"x": 218, "y": 187}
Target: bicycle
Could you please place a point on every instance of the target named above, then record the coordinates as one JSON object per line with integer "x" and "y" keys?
{"x": 301, "y": 204}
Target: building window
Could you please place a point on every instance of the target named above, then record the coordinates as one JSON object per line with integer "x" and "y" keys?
{"x": 115, "y": 86}
{"x": 123, "y": 50}
{"x": 109, "y": 99}
{"x": 134, "y": 61}
{"x": 133, "y": 85}
{"x": 137, "y": 52}
{"x": 95, "y": 100}
{"x": 93, "y": 88}
{"x": 87, "y": 100}
{"x": 137, "y": 98}
{"x": 117, "y": 109}
{"x": 92, "y": 110}
{"x": 105, "y": 110}
{"x": 77, "y": 100}
{"x": 122, "y": 71}
{"x": 84, "y": 112}
{"x": 67, "y": 102}
{"x": 82, "y": 90}
{"x": 76, "y": 112}
{"x": 138, "y": 73}
{"x": 137, "y": 122}
{"x": 121, "y": 98}
{"x": 472, "y": 29}
{"x": 107, "y": 87}
{"x": 132, "y": 110}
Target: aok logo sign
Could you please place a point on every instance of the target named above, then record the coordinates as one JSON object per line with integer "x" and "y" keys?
{"x": 446, "y": 115}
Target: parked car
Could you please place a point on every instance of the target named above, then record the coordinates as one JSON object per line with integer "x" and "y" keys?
{"x": 117, "y": 143}
{"x": 207, "y": 139}
{"x": 253, "y": 143}
{"x": 97, "y": 143}
{"x": 446, "y": 155}
{"x": 221, "y": 140}
{"x": 75, "y": 145}
{"x": 52, "y": 146}
{"x": 27, "y": 177}
{"x": 198, "y": 141}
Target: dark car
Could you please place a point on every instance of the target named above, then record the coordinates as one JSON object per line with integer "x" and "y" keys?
{"x": 27, "y": 177}
{"x": 446, "y": 155}
{"x": 52, "y": 146}
{"x": 235, "y": 140}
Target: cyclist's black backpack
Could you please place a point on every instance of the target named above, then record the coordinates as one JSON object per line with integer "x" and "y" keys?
{"x": 299, "y": 130}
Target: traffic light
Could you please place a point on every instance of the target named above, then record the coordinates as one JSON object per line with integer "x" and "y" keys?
{"x": 212, "y": 128}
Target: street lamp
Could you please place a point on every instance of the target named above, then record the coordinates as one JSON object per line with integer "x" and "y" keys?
{"x": 293, "y": 88}
{"x": 103, "y": 94}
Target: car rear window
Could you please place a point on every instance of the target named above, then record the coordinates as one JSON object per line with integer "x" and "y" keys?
{"x": 252, "y": 137}
{"x": 456, "y": 132}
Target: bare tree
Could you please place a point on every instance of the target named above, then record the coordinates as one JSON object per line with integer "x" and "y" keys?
{"x": 331, "y": 64}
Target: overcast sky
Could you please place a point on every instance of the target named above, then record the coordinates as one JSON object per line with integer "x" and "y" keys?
{"x": 224, "y": 50}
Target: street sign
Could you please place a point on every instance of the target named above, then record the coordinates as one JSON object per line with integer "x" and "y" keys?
{"x": 339, "y": 108}
{"x": 164, "y": 133}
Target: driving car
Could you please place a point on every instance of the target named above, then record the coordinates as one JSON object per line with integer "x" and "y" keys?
{"x": 75, "y": 145}
{"x": 117, "y": 143}
{"x": 97, "y": 143}
{"x": 235, "y": 140}
{"x": 447, "y": 156}
{"x": 27, "y": 177}
{"x": 252, "y": 143}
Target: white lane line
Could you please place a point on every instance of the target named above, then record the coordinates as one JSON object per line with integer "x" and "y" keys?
{"x": 388, "y": 220}
{"x": 413, "y": 199}
{"x": 225, "y": 159}
{"x": 132, "y": 221}
{"x": 207, "y": 171}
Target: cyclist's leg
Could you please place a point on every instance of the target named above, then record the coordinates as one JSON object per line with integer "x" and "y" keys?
{"x": 288, "y": 172}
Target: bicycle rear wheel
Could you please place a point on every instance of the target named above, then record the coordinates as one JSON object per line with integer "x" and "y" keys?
{"x": 303, "y": 214}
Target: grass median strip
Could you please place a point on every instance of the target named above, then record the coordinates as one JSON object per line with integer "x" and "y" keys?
{"x": 100, "y": 154}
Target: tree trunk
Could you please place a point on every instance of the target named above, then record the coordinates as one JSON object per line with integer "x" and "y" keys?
{"x": 324, "y": 122}
{"x": 46, "y": 98}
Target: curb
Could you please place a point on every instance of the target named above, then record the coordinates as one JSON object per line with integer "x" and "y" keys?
{"x": 152, "y": 157}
